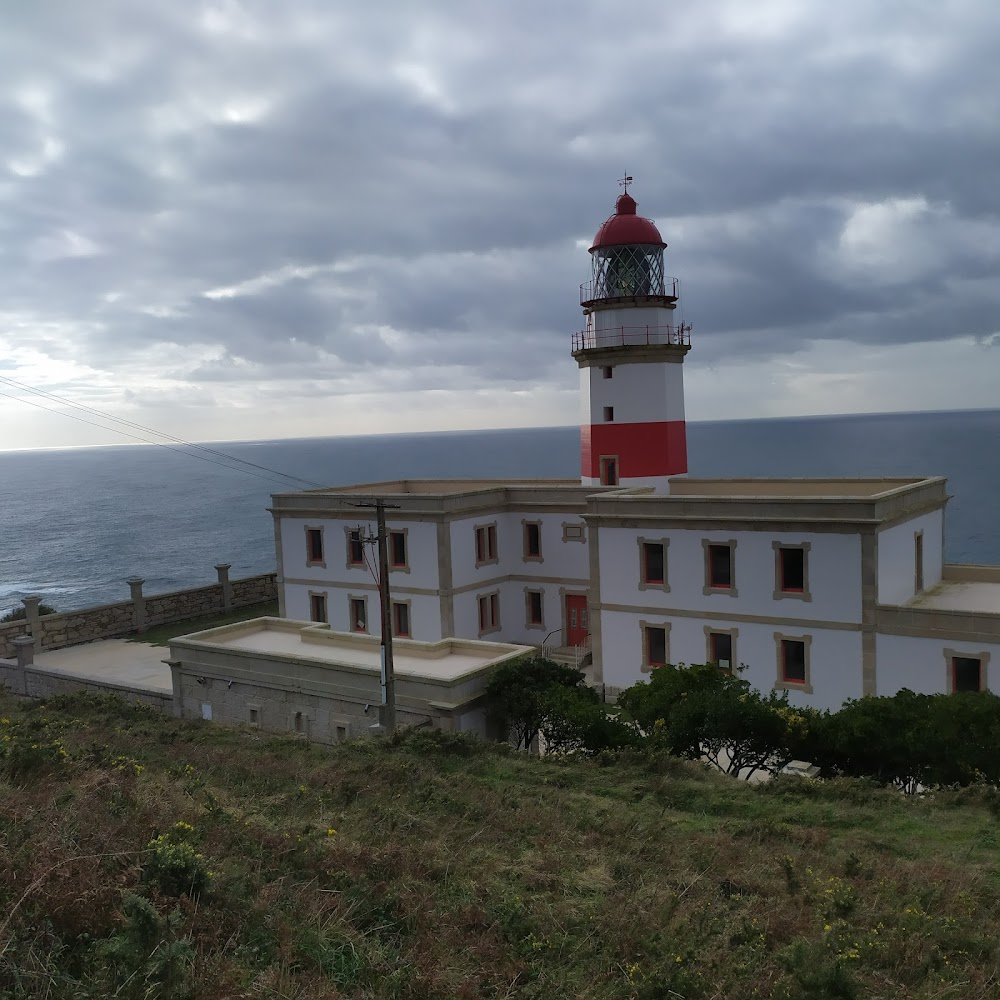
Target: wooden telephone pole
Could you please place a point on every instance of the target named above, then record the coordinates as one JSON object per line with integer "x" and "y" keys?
{"x": 387, "y": 711}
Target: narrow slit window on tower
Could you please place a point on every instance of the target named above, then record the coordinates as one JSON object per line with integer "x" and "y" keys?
{"x": 609, "y": 470}
{"x": 609, "y": 414}
{"x": 607, "y": 371}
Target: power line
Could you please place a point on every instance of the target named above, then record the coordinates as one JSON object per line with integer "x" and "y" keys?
{"x": 161, "y": 444}
{"x": 149, "y": 430}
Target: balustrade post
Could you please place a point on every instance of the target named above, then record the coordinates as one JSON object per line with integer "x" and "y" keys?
{"x": 138, "y": 602}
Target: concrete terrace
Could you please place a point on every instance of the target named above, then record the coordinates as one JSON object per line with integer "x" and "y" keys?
{"x": 112, "y": 661}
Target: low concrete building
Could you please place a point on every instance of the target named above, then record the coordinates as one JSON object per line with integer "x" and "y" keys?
{"x": 286, "y": 676}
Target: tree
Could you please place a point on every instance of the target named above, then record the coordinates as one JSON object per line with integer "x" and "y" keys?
{"x": 523, "y": 694}
{"x": 704, "y": 713}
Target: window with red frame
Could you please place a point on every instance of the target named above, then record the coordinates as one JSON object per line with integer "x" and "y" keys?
{"x": 314, "y": 545}
{"x": 355, "y": 548}
{"x": 720, "y": 649}
{"x": 793, "y": 661}
{"x": 400, "y": 619}
{"x": 656, "y": 646}
{"x": 486, "y": 543}
{"x": 397, "y": 548}
{"x": 653, "y": 562}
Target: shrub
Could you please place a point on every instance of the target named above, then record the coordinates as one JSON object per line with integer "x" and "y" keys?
{"x": 173, "y": 866}
{"x": 701, "y": 711}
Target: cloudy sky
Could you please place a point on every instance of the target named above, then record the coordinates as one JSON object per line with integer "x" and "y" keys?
{"x": 253, "y": 218}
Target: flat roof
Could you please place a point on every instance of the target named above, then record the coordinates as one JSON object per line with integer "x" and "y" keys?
{"x": 113, "y": 661}
{"x": 446, "y": 660}
{"x": 793, "y": 488}
{"x": 440, "y": 487}
{"x": 976, "y": 596}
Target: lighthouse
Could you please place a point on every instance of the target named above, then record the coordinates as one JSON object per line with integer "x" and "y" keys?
{"x": 631, "y": 355}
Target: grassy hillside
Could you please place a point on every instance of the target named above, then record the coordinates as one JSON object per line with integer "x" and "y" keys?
{"x": 436, "y": 867}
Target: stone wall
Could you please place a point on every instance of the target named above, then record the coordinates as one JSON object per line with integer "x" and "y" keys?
{"x": 34, "y": 682}
{"x": 136, "y": 615}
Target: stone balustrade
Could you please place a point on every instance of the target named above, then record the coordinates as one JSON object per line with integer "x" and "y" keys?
{"x": 136, "y": 615}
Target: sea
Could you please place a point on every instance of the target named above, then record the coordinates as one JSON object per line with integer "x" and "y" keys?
{"x": 75, "y": 524}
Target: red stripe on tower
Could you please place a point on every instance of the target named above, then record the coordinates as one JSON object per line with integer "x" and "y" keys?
{"x": 642, "y": 451}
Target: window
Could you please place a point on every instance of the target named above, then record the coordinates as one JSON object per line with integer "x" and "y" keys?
{"x": 533, "y": 607}
{"x": 397, "y": 549}
{"x": 609, "y": 470}
{"x": 966, "y": 673}
{"x": 793, "y": 661}
{"x": 489, "y": 612}
{"x": 300, "y": 722}
{"x": 486, "y": 544}
{"x": 341, "y": 733}
{"x": 918, "y": 561}
{"x": 532, "y": 540}
{"x": 400, "y": 619}
{"x": 317, "y": 607}
{"x": 254, "y": 716}
{"x": 653, "y": 563}
{"x": 355, "y": 548}
{"x": 655, "y": 643}
{"x": 607, "y": 371}
{"x": 359, "y": 614}
{"x": 720, "y": 649}
{"x": 314, "y": 547}
{"x": 609, "y": 414}
{"x": 719, "y": 566}
{"x": 791, "y": 571}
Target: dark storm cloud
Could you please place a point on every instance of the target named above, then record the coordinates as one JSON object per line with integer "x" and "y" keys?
{"x": 398, "y": 191}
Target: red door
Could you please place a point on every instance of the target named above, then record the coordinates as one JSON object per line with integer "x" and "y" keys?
{"x": 577, "y": 621}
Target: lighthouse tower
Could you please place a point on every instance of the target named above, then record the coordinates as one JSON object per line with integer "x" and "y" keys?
{"x": 631, "y": 356}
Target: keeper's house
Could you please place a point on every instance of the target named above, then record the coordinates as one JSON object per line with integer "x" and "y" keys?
{"x": 827, "y": 588}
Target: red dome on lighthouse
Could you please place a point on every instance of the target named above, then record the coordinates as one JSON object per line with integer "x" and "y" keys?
{"x": 625, "y": 228}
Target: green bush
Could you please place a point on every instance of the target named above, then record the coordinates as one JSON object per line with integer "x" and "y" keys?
{"x": 913, "y": 740}
{"x": 700, "y": 711}
{"x": 173, "y": 865}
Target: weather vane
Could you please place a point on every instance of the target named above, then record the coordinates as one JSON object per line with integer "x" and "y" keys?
{"x": 625, "y": 181}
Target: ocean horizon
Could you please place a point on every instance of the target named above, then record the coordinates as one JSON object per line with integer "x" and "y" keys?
{"x": 76, "y": 522}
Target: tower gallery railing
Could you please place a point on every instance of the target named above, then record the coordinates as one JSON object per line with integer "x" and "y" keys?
{"x": 633, "y": 336}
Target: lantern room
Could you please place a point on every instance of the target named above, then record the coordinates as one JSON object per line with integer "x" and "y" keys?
{"x": 627, "y": 261}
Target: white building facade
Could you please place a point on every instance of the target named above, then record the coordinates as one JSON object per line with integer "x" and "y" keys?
{"x": 827, "y": 589}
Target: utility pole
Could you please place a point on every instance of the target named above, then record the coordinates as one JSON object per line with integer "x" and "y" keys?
{"x": 387, "y": 711}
